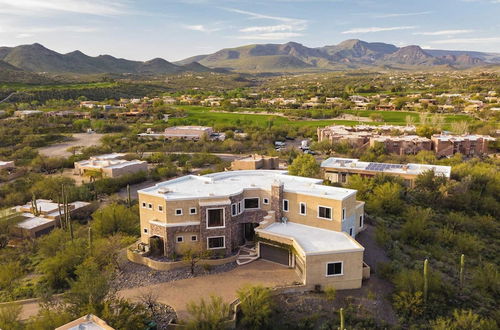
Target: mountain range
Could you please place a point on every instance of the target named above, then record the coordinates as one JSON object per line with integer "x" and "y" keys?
{"x": 351, "y": 53}
{"x": 26, "y": 61}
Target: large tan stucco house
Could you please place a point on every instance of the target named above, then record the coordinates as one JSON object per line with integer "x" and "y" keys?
{"x": 295, "y": 221}
{"x": 256, "y": 162}
{"x": 339, "y": 169}
{"x": 110, "y": 166}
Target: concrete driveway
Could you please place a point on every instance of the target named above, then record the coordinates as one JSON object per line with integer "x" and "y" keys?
{"x": 179, "y": 293}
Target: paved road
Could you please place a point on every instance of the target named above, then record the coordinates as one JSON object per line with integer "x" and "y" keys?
{"x": 179, "y": 293}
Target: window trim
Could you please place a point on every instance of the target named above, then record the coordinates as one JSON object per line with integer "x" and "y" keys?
{"x": 150, "y": 206}
{"x": 265, "y": 201}
{"x": 145, "y": 231}
{"x": 144, "y": 205}
{"x": 160, "y": 208}
{"x": 351, "y": 231}
{"x": 334, "y": 262}
{"x": 251, "y": 208}
{"x": 344, "y": 213}
{"x": 361, "y": 221}
{"x": 177, "y": 239}
{"x": 216, "y": 248}
{"x": 196, "y": 238}
{"x": 195, "y": 211}
{"x": 178, "y": 214}
{"x": 287, "y": 205}
{"x": 240, "y": 207}
{"x": 234, "y": 209}
{"x": 331, "y": 212}
{"x": 300, "y": 208}
{"x": 223, "y": 218}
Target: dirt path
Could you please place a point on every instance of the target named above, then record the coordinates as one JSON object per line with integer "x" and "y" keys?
{"x": 79, "y": 139}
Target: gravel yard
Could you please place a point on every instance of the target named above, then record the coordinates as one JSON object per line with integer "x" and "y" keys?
{"x": 78, "y": 139}
{"x": 133, "y": 275}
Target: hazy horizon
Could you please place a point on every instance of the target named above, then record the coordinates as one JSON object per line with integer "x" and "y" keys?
{"x": 177, "y": 29}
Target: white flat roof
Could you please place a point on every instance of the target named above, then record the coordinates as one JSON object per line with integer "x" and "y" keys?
{"x": 314, "y": 240}
{"x": 224, "y": 184}
{"x": 109, "y": 163}
{"x": 410, "y": 168}
{"x": 31, "y": 223}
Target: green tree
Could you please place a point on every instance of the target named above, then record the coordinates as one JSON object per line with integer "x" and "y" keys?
{"x": 256, "y": 306}
{"x": 116, "y": 218}
{"x": 386, "y": 199}
{"x": 9, "y": 317}
{"x": 464, "y": 320}
{"x": 304, "y": 165}
{"x": 208, "y": 315}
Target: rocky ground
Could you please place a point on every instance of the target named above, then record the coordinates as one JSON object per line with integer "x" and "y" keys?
{"x": 133, "y": 275}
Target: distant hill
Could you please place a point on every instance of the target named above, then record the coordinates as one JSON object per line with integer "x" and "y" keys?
{"x": 12, "y": 74}
{"x": 352, "y": 53}
{"x": 37, "y": 58}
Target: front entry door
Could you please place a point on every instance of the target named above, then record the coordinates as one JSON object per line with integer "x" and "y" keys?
{"x": 249, "y": 231}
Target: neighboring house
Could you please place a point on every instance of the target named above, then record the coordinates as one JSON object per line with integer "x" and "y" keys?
{"x": 256, "y": 162}
{"x": 27, "y": 113}
{"x": 402, "y": 145}
{"x": 192, "y": 133}
{"x": 45, "y": 218}
{"x": 87, "y": 322}
{"x": 468, "y": 145}
{"x": 339, "y": 169}
{"x": 6, "y": 165}
{"x": 296, "y": 221}
{"x": 109, "y": 166}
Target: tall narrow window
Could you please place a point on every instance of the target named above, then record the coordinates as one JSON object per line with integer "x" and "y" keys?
{"x": 343, "y": 214}
{"x": 303, "y": 208}
{"x": 285, "y": 205}
{"x": 233, "y": 210}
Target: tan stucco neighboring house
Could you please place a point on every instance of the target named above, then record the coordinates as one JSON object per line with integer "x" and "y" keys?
{"x": 256, "y": 162}
{"x": 294, "y": 221}
{"x": 87, "y": 322}
{"x": 339, "y": 169}
{"x": 110, "y": 166}
{"x": 45, "y": 218}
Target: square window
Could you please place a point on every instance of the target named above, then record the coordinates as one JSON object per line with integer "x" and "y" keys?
{"x": 145, "y": 230}
{"x": 143, "y": 204}
{"x": 334, "y": 268}
{"x": 194, "y": 238}
{"x": 265, "y": 201}
{"x": 324, "y": 212}
{"x": 215, "y": 218}
{"x": 285, "y": 205}
{"x": 179, "y": 239}
{"x": 160, "y": 208}
{"x": 178, "y": 211}
{"x": 215, "y": 242}
{"x": 150, "y": 206}
{"x": 192, "y": 210}
{"x": 303, "y": 208}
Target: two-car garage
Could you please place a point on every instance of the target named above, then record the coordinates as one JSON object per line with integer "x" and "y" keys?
{"x": 274, "y": 253}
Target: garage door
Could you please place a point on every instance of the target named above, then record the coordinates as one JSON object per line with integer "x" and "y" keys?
{"x": 274, "y": 254}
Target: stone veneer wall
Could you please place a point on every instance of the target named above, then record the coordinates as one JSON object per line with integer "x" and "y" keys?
{"x": 277, "y": 200}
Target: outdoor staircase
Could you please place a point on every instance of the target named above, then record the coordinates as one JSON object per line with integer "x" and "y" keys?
{"x": 247, "y": 255}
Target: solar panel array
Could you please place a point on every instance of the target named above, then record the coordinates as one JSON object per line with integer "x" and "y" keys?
{"x": 382, "y": 166}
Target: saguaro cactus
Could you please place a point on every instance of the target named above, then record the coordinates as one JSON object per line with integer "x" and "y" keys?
{"x": 462, "y": 274}
{"x": 426, "y": 278}
{"x": 129, "y": 200}
{"x": 342, "y": 321}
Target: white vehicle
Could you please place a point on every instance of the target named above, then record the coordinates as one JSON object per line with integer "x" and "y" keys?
{"x": 279, "y": 144}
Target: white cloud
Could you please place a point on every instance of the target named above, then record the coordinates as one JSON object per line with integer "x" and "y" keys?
{"x": 378, "y": 29}
{"x": 290, "y": 27}
{"x": 443, "y": 32}
{"x": 200, "y": 28}
{"x": 403, "y": 14}
{"x": 270, "y": 36}
{"x": 467, "y": 40}
{"x": 34, "y": 7}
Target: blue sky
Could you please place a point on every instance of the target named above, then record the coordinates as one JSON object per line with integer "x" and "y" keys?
{"x": 175, "y": 29}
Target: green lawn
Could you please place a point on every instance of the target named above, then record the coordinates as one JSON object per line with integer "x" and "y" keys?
{"x": 202, "y": 115}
